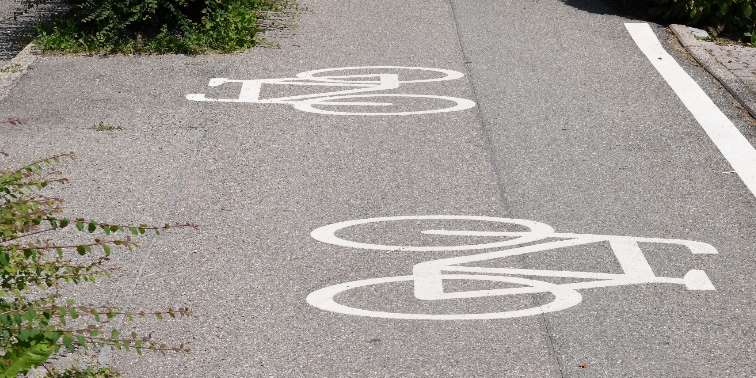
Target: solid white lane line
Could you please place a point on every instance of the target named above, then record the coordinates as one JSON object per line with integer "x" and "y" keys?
{"x": 731, "y": 143}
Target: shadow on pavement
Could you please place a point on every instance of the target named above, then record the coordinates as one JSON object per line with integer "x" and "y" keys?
{"x": 16, "y": 32}
{"x": 634, "y": 9}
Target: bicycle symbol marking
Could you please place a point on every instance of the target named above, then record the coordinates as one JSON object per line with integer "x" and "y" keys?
{"x": 364, "y": 87}
{"x": 428, "y": 276}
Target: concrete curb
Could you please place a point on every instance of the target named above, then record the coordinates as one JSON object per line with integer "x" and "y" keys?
{"x": 16, "y": 68}
{"x": 735, "y": 86}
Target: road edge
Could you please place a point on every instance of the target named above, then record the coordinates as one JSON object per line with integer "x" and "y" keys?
{"x": 22, "y": 62}
{"x": 728, "y": 80}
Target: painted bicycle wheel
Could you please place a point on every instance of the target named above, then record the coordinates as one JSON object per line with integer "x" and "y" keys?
{"x": 431, "y": 74}
{"x": 564, "y": 298}
{"x": 321, "y": 105}
{"x": 533, "y": 231}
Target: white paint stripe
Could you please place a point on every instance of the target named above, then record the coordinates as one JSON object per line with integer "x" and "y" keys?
{"x": 535, "y": 272}
{"x": 696, "y": 248}
{"x": 631, "y": 258}
{"x": 731, "y": 143}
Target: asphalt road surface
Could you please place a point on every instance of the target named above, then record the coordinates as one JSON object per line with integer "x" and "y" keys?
{"x": 532, "y": 198}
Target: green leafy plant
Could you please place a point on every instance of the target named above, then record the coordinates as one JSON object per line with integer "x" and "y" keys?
{"x": 103, "y": 127}
{"x": 156, "y": 26}
{"x": 13, "y": 67}
{"x": 35, "y": 319}
{"x": 734, "y": 17}
{"x": 83, "y": 372}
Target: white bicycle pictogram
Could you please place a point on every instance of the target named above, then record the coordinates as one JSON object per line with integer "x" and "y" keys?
{"x": 428, "y": 277}
{"x": 362, "y": 87}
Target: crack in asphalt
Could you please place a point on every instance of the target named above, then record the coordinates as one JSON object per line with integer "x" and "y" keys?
{"x": 486, "y": 133}
{"x": 130, "y": 290}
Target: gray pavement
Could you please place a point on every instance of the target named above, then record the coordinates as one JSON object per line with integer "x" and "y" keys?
{"x": 573, "y": 127}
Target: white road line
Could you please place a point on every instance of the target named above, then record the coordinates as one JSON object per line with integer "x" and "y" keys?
{"x": 731, "y": 143}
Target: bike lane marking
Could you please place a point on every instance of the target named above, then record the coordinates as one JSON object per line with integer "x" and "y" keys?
{"x": 250, "y": 90}
{"x": 428, "y": 276}
{"x": 731, "y": 143}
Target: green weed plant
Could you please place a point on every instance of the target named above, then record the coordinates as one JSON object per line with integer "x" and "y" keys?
{"x": 35, "y": 319}
{"x": 83, "y": 372}
{"x": 103, "y": 127}
{"x": 12, "y": 68}
{"x": 736, "y": 18}
{"x": 155, "y": 26}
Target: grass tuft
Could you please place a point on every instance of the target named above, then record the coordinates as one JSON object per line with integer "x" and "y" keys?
{"x": 103, "y": 127}
{"x": 157, "y": 26}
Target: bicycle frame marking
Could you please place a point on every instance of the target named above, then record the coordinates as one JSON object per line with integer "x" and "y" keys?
{"x": 428, "y": 276}
{"x": 362, "y": 86}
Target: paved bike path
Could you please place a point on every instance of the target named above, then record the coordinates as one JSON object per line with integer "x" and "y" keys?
{"x": 573, "y": 128}
{"x": 611, "y": 150}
